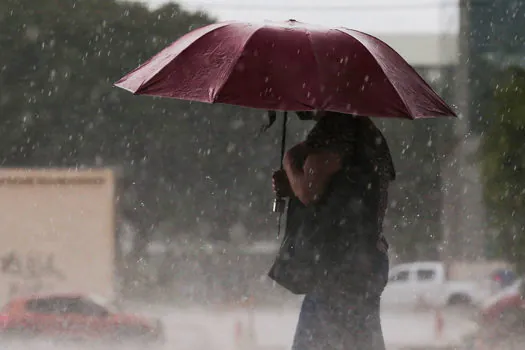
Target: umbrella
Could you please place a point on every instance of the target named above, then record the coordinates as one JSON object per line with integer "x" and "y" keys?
{"x": 288, "y": 66}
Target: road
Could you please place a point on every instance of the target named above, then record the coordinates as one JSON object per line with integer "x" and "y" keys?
{"x": 269, "y": 329}
{"x": 273, "y": 329}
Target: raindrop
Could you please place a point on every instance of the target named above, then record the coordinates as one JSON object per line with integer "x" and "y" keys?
{"x": 52, "y": 75}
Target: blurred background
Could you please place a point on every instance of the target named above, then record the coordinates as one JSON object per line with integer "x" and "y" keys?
{"x": 192, "y": 182}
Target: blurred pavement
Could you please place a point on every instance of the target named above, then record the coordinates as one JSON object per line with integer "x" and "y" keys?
{"x": 229, "y": 328}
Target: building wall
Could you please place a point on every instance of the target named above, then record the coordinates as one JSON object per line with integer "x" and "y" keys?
{"x": 56, "y": 232}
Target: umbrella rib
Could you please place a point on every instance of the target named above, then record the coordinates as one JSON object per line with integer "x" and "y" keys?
{"x": 316, "y": 59}
{"x": 232, "y": 67}
{"x": 151, "y": 80}
{"x": 408, "y": 109}
{"x": 423, "y": 81}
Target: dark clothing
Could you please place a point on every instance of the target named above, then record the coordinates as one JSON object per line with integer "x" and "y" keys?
{"x": 332, "y": 249}
{"x": 333, "y": 242}
{"x": 349, "y": 320}
{"x": 361, "y": 145}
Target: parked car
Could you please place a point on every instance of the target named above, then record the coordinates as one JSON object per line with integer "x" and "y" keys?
{"x": 73, "y": 317}
{"x": 509, "y": 298}
{"x": 501, "y": 320}
{"x": 418, "y": 283}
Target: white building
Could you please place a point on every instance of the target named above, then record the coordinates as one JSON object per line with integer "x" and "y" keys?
{"x": 424, "y": 50}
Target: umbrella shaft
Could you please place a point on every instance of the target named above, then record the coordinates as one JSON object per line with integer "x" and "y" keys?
{"x": 278, "y": 205}
{"x": 283, "y": 138}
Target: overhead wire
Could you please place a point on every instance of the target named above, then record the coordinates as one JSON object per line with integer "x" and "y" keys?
{"x": 330, "y": 8}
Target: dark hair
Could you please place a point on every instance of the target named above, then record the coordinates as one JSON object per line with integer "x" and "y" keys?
{"x": 334, "y": 131}
{"x": 347, "y": 134}
{"x": 305, "y": 115}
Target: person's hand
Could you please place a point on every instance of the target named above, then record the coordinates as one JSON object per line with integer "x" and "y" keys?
{"x": 280, "y": 184}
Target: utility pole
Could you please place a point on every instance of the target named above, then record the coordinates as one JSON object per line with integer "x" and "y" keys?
{"x": 463, "y": 73}
{"x": 453, "y": 179}
{"x": 469, "y": 235}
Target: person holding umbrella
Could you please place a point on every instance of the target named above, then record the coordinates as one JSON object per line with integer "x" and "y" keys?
{"x": 337, "y": 179}
{"x": 337, "y": 183}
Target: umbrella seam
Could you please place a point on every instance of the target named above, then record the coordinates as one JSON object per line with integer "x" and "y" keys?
{"x": 232, "y": 67}
{"x": 317, "y": 65}
{"x": 146, "y": 84}
{"x": 408, "y": 109}
{"x": 440, "y": 99}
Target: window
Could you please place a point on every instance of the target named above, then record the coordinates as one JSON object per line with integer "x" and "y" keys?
{"x": 89, "y": 308}
{"x": 426, "y": 275}
{"x": 401, "y": 276}
{"x": 48, "y": 305}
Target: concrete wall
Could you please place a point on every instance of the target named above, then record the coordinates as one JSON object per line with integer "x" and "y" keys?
{"x": 56, "y": 231}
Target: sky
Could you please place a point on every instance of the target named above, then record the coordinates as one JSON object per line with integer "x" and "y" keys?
{"x": 374, "y": 16}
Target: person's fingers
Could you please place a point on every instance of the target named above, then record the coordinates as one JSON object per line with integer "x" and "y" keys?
{"x": 280, "y": 175}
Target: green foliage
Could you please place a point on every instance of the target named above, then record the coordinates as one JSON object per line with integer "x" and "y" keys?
{"x": 503, "y": 150}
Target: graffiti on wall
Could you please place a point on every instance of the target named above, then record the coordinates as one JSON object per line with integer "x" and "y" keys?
{"x": 29, "y": 273}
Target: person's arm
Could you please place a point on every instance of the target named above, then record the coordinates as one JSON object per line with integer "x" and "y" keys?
{"x": 309, "y": 182}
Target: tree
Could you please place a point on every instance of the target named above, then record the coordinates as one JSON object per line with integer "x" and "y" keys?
{"x": 503, "y": 166}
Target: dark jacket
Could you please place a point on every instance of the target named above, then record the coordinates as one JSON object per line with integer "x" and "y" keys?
{"x": 335, "y": 240}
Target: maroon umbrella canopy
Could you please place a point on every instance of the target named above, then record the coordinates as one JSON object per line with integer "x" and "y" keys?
{"x": 288, "y": 66}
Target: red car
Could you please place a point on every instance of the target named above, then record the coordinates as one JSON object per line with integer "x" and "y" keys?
{"x": 73, "y": 317}
{"x": 508, "y": 302}
{"x": 501, "y": 319}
